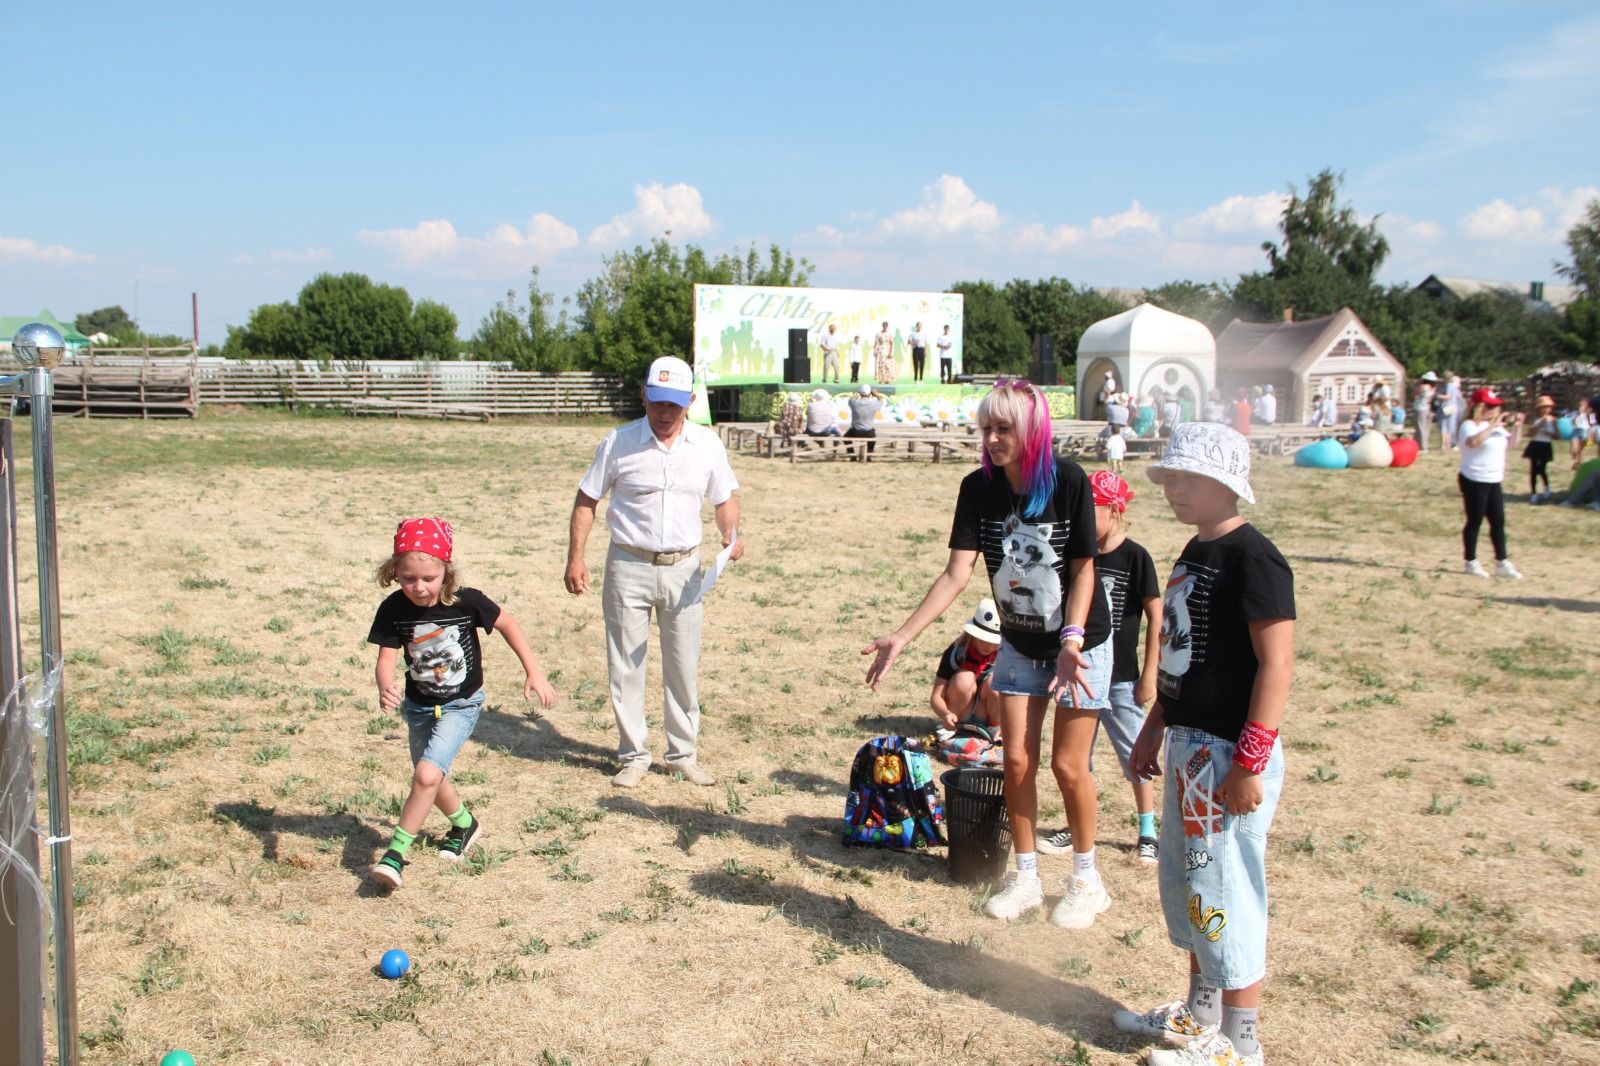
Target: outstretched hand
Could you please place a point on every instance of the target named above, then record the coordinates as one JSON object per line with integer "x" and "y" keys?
{"x": 537, "y": 685}
{"x": 885, "y": 650}
{"x": 1072, "y": 674}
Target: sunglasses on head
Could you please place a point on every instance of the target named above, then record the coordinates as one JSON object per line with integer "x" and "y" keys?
{"x": 1020, "y": 384}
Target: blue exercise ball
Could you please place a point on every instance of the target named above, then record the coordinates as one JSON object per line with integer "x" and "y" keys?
{"x": 1325, "y": 454}
{"x": 1564, "y": 427}
{"x": 394, "y": 964}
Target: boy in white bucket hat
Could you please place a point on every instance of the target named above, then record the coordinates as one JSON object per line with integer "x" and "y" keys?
{"x": 961, "y": 682}
{"x": 1227, "y": 658}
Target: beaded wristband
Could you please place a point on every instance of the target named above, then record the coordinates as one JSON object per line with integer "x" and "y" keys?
{"x": 1255, "y": 747}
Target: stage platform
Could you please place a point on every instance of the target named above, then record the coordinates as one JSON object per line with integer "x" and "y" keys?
{"x": 909, "y": 402}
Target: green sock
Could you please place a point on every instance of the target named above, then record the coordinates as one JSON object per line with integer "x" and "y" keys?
{"x": 1147, "y": 823}
{"x": 461, "y": 819}
{"x": 401, "y": 841}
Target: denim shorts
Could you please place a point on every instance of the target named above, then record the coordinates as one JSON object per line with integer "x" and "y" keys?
{"x": 1122, "y": 720}
{"x": 437, "y": 733}
{"x": 1213, "y": 871}
{"x": 1014, "y": 674}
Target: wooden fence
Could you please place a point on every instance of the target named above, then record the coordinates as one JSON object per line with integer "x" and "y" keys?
{"x": 130, "y": 386}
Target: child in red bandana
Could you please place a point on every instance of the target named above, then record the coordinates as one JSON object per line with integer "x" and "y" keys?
{"x": 1128, "y": 579}
{"x": 435, "y": 622}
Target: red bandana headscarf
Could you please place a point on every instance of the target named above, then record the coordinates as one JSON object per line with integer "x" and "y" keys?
{"x": 1110, "y": 490}
{"x": 432, "y": 536}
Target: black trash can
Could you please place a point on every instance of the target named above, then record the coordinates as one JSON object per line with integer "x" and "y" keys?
{"x": 976, "y": 823}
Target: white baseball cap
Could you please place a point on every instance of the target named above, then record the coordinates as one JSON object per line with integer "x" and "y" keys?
{"x": 669, "y": 381}
{"x": 865, "y": 390}
{"x": 1211, "y": 450}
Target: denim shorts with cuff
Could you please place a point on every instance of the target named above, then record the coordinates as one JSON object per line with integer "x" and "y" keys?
{"x": 436, "y": 733}
{"x": 1213, "y": 867}
{"x": 1122, "y": 719}
{"x": 1014, "y": 674}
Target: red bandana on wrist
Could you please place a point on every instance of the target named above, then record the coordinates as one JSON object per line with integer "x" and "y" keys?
{"x": 1255, "y": 747}
{"x": 1110, "y": 490}
{"x": 431, "y": 536}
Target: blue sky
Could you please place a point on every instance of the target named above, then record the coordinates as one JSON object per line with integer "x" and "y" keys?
{"x": 238, "y": 150}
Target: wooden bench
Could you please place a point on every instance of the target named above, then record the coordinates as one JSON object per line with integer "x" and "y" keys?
{"x": 456, "y": 412}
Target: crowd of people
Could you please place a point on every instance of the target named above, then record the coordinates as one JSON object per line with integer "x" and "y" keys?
{"x": 881, "y": 349}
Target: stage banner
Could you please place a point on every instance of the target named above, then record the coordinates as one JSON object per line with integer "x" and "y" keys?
{"x": 741, "y": 332}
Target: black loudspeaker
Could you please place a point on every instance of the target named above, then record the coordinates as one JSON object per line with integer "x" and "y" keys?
{"x": 797, "y": 344}
{"x": 797, "y": 370}
{"x": 1043, "y": 370}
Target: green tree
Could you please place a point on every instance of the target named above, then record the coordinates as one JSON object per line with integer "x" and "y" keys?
{"x": 434, "y": 327}
{"x": 642, "y": 304}
{"x": 274, "y": 331}
{"x": 992, "y": 339}
{"x": 1325, "y": 260}
{"x": 1580, "y": 328}
{"x": 346, "y": 316}
{"x": 113, "y": 321}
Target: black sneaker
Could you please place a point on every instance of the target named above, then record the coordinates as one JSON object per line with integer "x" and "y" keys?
{"x": 1057, "y": 843}
{"x": 387, "y": 870}
{"x": 1149, "y": 850}
{"x": 458, "y": 840}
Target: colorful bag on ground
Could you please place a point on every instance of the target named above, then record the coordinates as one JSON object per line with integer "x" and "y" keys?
{"x": 893, "y": 801}
{"x": 972, "y": 744}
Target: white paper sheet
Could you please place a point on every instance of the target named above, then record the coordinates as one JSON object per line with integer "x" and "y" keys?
{"x": 709, "y": 576}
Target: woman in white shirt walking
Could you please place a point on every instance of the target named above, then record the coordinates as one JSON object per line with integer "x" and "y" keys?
{"x": 1484, "y": 442}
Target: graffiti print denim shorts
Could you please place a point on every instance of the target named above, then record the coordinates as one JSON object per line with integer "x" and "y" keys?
{"x": 1213, "y": 869}
{"x": 436, "y": 734}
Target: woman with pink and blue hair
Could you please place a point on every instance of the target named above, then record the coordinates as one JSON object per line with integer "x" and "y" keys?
{"x": 1031, "y": 516}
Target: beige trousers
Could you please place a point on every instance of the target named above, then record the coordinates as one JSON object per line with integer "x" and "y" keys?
{"x": 633, "y": 589}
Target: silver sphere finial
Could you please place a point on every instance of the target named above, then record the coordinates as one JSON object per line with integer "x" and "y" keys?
{"x": 37, "y": 344}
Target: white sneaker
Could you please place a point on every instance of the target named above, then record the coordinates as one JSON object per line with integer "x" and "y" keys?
{"x": 632, "y": 775}
{"x": 1504, "y": 569}
{"x": 1018, "y": 896}
{"x": 1170, "y": 1022}
{"x": 1212, "y": 1049}
{"x": 1475, "y": 568}
{"x": 1084, "y": 900}
{"x": 1057, "y": 843}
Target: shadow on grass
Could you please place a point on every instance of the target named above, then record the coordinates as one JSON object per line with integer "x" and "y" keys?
{"x": 1577, "y": 606}
{"x": 536, "y": 739}
{"x": 813, "y": 841}
{"x": 941, "y": 965}
{"x": 803, "y": 781}
{"x": 896, "y": 725}
{"x": 361, "y": 841}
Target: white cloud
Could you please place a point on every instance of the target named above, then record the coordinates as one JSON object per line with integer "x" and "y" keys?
{"x": 1399, "y": 227}
{"x": 1049, "y": 240}
{"x": 1568, "y": 205}
{"x": 657, "y": 209}
{"x": 1237, "y": 215}
{"x": 16, "y": 250}
{"x": 1499, "y": 220}
{"x": 1134, "y": 220}
{"x": 948, "y": 207}
{"x": 436, "y": 242}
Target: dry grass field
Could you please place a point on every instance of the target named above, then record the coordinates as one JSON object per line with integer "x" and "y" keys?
{"x": 1433, "y": 863}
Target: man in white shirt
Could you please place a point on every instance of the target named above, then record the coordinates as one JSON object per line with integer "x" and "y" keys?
{"x": 946, "y": 344}
{"x": 657, "y": 471}
{"x": 852, "y": 350}
{"x": 918, "y": 342}
{"x": 830, "y": 354}
{"x": 1267, "y": 407}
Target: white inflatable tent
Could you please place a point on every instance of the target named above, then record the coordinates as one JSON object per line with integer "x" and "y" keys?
{"x": 1146, "y": 349}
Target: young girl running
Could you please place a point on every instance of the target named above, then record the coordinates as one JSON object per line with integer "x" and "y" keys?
{"x": 435, "y": 622}
{"x": 1031, "y": 515}
{"x": 1128, "y": 576}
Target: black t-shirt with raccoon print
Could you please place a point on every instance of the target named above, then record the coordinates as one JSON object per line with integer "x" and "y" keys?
{"x": 1027, "y": 557}
{"x": 1208, "y": 661}
{"x": 443, "y": 659}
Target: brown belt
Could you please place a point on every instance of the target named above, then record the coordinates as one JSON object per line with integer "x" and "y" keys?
{"x": 657, "y": 558}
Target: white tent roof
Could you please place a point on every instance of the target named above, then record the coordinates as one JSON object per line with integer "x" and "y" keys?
{"x": 1147, "y": 330}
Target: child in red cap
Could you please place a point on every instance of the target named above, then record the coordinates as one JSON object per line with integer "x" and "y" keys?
{"x": 435, "y": 622}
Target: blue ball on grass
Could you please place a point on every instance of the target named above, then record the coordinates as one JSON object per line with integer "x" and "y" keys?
{"x": 177, "y": 1058}
{"x": 394, "y": 964}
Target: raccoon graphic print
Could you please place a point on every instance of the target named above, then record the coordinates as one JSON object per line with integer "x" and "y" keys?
{"x": 443, "y": 659}
{"x": 1027, "y": 556}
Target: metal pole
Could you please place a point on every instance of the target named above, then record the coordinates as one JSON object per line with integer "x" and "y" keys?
{"x": 40, "y": 392}
{"x": 21, "y": 909}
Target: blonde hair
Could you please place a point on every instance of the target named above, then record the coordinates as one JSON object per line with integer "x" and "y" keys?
{"x": 447, "y": 589}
